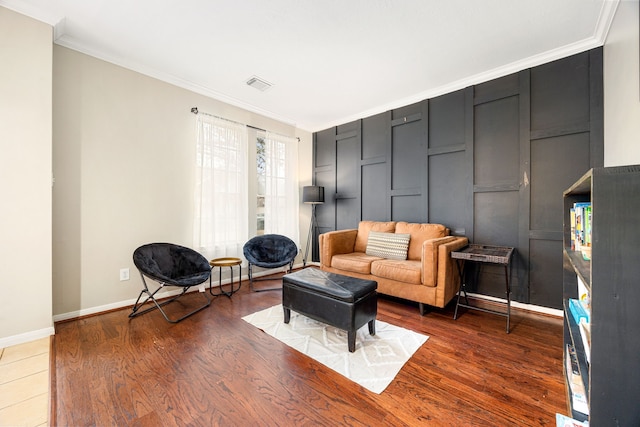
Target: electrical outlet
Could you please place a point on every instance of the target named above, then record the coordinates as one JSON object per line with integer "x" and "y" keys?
{"x": 124, "y": 274}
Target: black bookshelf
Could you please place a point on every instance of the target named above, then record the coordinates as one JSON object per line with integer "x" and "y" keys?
{"x": 612, "y": 278}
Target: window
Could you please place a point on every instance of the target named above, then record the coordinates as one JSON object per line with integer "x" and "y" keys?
{"x": 228, "y": 211}
{"x": 281, "y": 199}
{"x": 221, "y": 196}
{"x": 261, "y": 178}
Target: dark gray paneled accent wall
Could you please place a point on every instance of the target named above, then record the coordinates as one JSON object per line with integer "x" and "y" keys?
{"x": 347, "y": 194}
{"x": 324, "y": 156}
{"x": 450, "y": 143}
{"x": 496, "y": 165}
{"x": 409, "y": 163}
{"x": 566, "y": 139}
{"x": 376, "y": 170}
{"x": 489, "y": 161}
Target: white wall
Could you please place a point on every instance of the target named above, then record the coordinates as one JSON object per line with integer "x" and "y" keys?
{"x": 124, "y": 150}
{"x": 25, "y": 177}
{"x": 621, "y": 88}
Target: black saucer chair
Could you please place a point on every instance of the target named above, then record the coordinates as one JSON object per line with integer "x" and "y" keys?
{"x": 269, "y": 251}
{"x": 169, "y": 265}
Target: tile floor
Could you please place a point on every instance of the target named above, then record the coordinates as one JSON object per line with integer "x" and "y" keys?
{"x": 24, "y": 384}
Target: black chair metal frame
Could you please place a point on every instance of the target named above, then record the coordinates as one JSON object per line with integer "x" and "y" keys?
{"x": 200, "y": 274}
{"x": 291, "y": 251}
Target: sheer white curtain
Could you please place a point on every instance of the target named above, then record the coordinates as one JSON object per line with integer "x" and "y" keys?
{"x": 281, "y": 201}
{"x": 221, "y": 193}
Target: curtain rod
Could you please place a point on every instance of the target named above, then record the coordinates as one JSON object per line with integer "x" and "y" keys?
{"x": 194, "y": 110}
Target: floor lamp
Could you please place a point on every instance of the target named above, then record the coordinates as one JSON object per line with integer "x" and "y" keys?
{"x": 313, "y": 195}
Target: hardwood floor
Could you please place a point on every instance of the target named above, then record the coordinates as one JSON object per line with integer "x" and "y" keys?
{"x": 215, "y": 369}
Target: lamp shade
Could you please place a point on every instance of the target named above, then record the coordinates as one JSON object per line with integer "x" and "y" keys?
{"x": 313, "y": 194}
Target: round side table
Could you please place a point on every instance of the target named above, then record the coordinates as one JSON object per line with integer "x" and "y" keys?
{"x": 226, "y": 262}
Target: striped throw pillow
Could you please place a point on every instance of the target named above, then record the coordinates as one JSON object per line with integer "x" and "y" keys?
{"x": 388, "y": 245}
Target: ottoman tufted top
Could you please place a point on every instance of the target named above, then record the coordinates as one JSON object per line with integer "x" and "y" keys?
{"x": 337, "y": 286}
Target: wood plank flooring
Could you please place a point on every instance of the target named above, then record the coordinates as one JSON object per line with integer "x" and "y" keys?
{"x": 24, "y": 383}
{"x": 215, "y": 369}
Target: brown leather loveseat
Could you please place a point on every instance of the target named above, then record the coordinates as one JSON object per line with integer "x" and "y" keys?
{"x": 428, "y": 275}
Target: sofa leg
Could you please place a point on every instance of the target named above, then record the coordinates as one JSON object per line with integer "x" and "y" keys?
{"x": 424, "y": 309}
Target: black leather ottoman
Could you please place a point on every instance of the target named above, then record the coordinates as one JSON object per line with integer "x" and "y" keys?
{"x": 344, "y": 302}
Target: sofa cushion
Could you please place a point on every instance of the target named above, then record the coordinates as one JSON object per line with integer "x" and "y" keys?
{"x": 419, "y": 233}
{"x": 357, "y": 262}
{"x": 403, "y": 271}
{"x": 364, "y": 227}
{"x": 388, "y": 245}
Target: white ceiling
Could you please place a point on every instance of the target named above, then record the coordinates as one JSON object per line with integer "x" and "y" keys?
{"x": 330, "y": 61}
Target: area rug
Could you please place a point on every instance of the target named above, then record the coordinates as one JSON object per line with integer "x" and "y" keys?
{"x": 374, "y": 364}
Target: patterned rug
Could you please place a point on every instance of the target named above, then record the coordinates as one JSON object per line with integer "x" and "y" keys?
{"x": 374, "y": 364}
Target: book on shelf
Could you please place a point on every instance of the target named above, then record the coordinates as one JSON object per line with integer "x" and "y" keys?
{"x": 564, "y": 421}
{"x": 585, "y": 335}
{"x": 587, "y": 224}
{"x": 573, "y": 369}
{"x": 583, "y": 322}
{"x": 583, "y": 293}
{"x": 578, "y": 394}
{"x": 581, "y": 219}
{"x": 578, "y": 311}
{"x": 572, "y": 221}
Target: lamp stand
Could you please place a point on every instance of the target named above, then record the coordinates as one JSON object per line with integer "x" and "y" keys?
{"x": 313, "y": 226}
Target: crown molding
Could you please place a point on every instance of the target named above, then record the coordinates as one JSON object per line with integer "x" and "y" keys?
{"x": 501, "y": 71}
{"x": 37, "y": 13}
{"x": 72, "y": 43}
{"x": 598, "y": 39}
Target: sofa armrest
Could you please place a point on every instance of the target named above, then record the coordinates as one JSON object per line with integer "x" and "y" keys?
{"x": 334, "y": 243}
{"x": 448, "y": 274}
{"x": 430, "y": 259}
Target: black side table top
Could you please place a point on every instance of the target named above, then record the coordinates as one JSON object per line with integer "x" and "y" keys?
{"x": 484, "y": 253}
{"x": 500, "y": 255}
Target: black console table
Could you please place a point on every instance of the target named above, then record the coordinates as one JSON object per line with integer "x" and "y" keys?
{"x": 500, "y": 255}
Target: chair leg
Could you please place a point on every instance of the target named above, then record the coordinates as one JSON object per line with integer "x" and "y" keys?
{"x": 158, "y": 305}
{"x": 251, "y": 280}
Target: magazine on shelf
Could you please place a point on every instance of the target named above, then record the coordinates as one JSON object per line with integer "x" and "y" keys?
{"x": 585, "y": 334}
{"x": 578, "y": 395}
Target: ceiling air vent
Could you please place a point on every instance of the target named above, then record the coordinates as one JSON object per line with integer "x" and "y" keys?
{"x": 258, "y": 83}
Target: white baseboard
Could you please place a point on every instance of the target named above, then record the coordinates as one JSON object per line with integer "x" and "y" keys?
{"x": 26, "y": 337}
{"x": 515, "y": 304}
{"x": 96, "y": 310}
{"x": 127, "y": 303}
{"x": 113, "y": 306}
